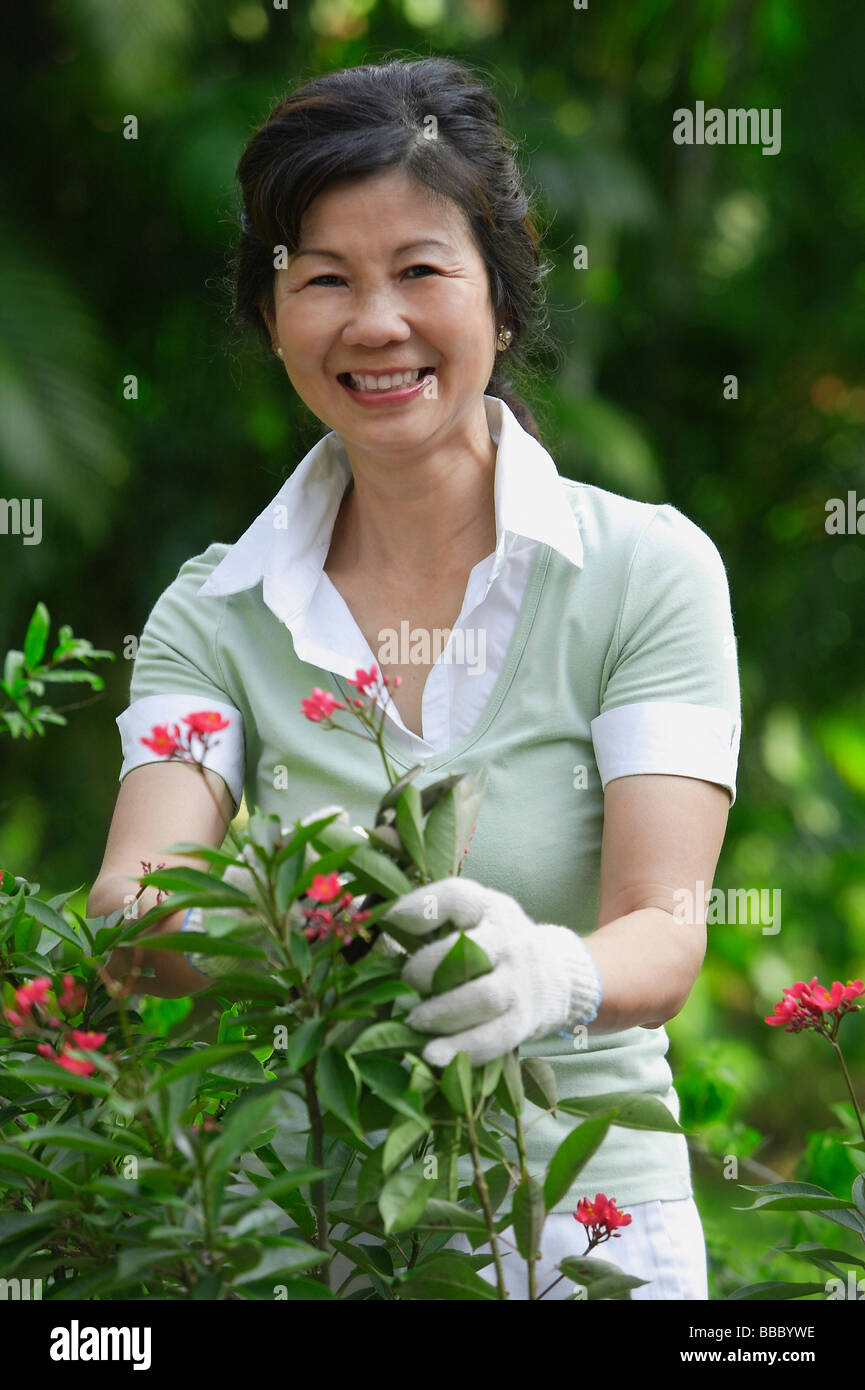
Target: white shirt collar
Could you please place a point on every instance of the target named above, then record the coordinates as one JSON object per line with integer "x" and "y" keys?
{"x": 287, "y": 544}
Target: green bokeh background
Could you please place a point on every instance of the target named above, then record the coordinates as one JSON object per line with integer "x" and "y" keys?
{"x": 705, "y": 261}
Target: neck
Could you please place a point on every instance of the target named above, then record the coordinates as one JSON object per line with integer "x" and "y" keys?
{"x": 421, "y": 516}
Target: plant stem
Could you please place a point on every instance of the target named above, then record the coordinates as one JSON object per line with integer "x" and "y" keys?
{"x": 532, "y": 1261}
{"x": 322, "y": 1271}
{"x": 857, "y": 1112}
{"x": 481, "y": 1183}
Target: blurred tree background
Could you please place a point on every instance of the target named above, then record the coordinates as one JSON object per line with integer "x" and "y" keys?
{"x": 704, "y": 261}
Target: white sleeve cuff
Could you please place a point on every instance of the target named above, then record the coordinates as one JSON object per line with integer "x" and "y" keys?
{"x": 226, "y": 754}
{"x": 668, "y": 737}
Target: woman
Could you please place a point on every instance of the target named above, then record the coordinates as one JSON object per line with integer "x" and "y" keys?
{"x": 388, "y": 258}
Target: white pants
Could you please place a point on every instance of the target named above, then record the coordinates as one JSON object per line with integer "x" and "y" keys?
{"x": 664, "y": 1244}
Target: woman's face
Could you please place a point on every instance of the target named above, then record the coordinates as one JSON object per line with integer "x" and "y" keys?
{"x": 387, "y": 280}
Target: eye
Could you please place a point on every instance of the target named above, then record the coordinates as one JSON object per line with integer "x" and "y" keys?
{"x": 320, "y": 278}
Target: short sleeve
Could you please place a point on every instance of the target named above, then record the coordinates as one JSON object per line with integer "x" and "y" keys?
{"x": 177, "y": 675}
{"x": 670, "y": 701}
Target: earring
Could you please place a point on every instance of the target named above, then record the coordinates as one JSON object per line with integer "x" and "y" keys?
{"x": 279, "y": 352}
{"x": 503, "y": 341}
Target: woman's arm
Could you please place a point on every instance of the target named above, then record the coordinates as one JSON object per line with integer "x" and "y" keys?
{"x": 158, "y": 804}
{"x": 662, "y": 837}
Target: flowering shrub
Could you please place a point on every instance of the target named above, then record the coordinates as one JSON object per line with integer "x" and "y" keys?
{"x": 135, "y": 1165}
{"x": 813, "y": 1007}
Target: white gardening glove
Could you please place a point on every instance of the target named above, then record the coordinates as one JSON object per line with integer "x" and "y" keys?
{"x": 236, "y": 876}
{"x": 543, "y": 979}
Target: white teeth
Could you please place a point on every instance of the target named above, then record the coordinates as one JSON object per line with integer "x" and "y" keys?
{"x": 364, "y": 381}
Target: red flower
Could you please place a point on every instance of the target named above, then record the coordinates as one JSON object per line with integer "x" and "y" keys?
{"x": 320, "y": 705}
{"x": 164, "y": 740}
{"x": 206, "y": 721}
{"x": 806, "y": 1005}
{"x": 71, "y": 1000}
{"x": 88, "y": 1041}
{"x": 79, "y": 1066}
{"x": 365, "y": 680}
{"x": 45, "y": 1050}
{"x": 601, "y": 1217}
{"x": 325, "y": 887}
{"x": 32, "y": 993}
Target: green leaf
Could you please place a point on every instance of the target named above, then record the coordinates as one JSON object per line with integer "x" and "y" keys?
{"x": 275, "y": 1189}
{"x": 388, "y": 1036}
{"x": 378, "y": 873}
{"x": 439, "y": 1213}
{"x": 464, "y": 961}
{"x": 807, "y": 1250}
{"x": 53, "y": 921}
{"x": 304, "y": 1289}
{"x": 371, "y": 1176}
{"x": 490, "y": 1076}
{"x": 197, "y": 1059}
{"x": 390, "y": 1082}
{"x": 37, "y": 636}
{"x": 136, "y": 1258}
{"x": 244, "y": 1120}
{"x": 777, "y": 1289}
{"x": 529, "y": 1214}
{"x": 858, "y": 1193}
{"x": 243, "y": 1068}
{"x": 632, "y": 1111}
{"x": 445, "y": 1276}
{"x": 403, "y": 1198}
{"x": 372, "y": 1259}
{"x": 304, "y": 1043}
{"x": 338, "y": 1089}
{"x": 279, "y": 1255}
{"x": 409, "y": 823}
{"x": 599, "y": 1278}
{"x": 498, "y": 1181}
{"x": 403, "y": 1136}
{"x": 393, "y": 793}
{"x": 509, "y": 1092}
{"x": 456, "y": 1083}
{"x": 571, "y": 1157}
{"x": 539, "y": 1081}
{"x": 52, "y": 1074}
{"x": 180, "y": 877}
{"x": 84, "y": 1140}
{"x": 19, "y": 1161}
{"x": 450, "y": 823}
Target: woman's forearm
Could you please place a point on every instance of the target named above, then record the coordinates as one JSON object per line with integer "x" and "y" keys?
{"x": 173, "y": 977}
{"x": 648, "y": 962}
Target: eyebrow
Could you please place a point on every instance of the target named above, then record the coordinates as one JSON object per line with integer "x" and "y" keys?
{"x": 400, "y": 250}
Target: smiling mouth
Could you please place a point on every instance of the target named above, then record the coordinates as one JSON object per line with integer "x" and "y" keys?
{"x": 383, "y": 381}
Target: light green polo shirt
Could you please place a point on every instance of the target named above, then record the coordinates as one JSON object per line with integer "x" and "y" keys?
{"x": 624, "y": 665}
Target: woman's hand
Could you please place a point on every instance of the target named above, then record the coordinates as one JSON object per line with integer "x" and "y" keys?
{"x": 543, "y": 978}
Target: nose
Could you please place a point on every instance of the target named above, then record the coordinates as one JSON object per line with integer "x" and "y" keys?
{"x": 376, "y": 320}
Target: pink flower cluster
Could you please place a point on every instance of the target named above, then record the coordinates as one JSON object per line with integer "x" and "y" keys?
{"x": 600, "y": 1218}
{"x": 320, "y": 704}
{"x": 37, "y": 1006}
{"x": 812, "y": 1006}
{"x": 168, "y": 741}
{"x": 336, "y": 920}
